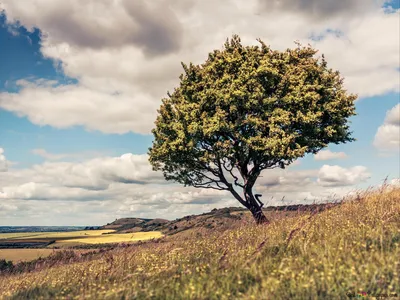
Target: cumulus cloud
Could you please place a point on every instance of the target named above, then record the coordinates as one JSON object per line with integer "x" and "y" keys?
{"x": 152, "y": 27}
{"x": 99, "y": 173}
{"x": 43, "y": 153}
{"x": 3, "y": 161}
{"x": 97, "y": 191}
{"x": 126, "y": 54}
{"x": 70, "y": 105}
{"x": 45, "y": 191}
{"x": 74, "y": 156}
{"x": 104, "y": 188}
{"x": 320, "y": 9}
{"x": 387, "y": 137}
{"x": 288, "y": 178}
{"x": 44, "y": 181}
{"x": 339, "y": 176}
{"x": 327, "y": 155}
{"x": 329, "y": 183}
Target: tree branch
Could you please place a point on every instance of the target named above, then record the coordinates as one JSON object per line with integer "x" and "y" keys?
{"x": 209, "y": 186}
{"x": 229, "y": 185}
{"x": 236, "y": 179}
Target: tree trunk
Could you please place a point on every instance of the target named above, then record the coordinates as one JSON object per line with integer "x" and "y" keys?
{"x": 258, "y": 214}
{"x": 254, "y": 206}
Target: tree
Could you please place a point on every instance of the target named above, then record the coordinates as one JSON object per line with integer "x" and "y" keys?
{"x": 247, "y": 109}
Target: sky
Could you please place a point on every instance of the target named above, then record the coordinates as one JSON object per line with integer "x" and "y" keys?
{"x": 81, "y": 82}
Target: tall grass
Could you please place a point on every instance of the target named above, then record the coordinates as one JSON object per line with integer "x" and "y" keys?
{"x": 349, "y": 249}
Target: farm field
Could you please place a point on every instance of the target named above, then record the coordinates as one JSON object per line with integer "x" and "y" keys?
{"x": 52, "y": 235}
{"x": 108, "y": 239}
{"x": 18, "y": 255}
{"x": 70, "y": 239}
{"x": 22, "y": 255}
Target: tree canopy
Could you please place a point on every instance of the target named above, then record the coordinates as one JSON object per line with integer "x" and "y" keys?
{"x": 247, "y": 109}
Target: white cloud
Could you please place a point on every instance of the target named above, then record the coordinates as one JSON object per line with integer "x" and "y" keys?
{"x": 3, "y": 161}
{"x": 43, "y": 191}
{"x": 327, "y": 155}
{"x": 127, "y": 55}
{"x": 387, "y": 137}
{"x": 151, "y": 27}
{"x": 70, "y": 105}
{"x": 308, "y": 186}
{"x": 320, "y": 10}
{"x": 339, "y": 176}
{"x": 92, "y": 176}
{"x": 97, "y": 191}
{"x": 329, "y": 183}
{"x": 105, "y": 188}
{"x": 99, "y": 173}
{"x": 76, "y": 156}
{"x": 50, "y": 156}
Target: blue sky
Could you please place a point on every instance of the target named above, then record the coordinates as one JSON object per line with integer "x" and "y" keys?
{"x": 77, "y": 104}
{"x": 21, "y": 58}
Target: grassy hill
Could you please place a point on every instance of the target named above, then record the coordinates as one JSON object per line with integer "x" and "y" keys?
{"x": 344, "y": 250}
{"x": 220, "y": 219}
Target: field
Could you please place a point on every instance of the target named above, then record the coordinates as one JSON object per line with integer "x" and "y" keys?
{"x": 52, "y": 235}
{"x": 349, "y": 250}
{"x": 108, "y": 239}
{"x": 16, "y": 255}
{"x": 23, "y": 255}
{"x": 64, "y": 240}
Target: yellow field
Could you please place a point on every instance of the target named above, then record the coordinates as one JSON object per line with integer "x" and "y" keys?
{"x": 8, "y": 236}
{"x": 17, "y": 255}
{"x": 109, "y": 238}
{"x": 52, "y": 235}
{"x": 67, "y": 240}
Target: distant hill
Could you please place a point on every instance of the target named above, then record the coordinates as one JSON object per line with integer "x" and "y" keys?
{"x": 135, "y": 224}
{"x": 223, "y": 218}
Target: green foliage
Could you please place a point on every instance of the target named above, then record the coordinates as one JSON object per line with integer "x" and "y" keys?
{"x": 248, "y": 108}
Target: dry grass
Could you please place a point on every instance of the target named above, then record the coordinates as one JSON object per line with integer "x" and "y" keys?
{"x": 349, "y": 249}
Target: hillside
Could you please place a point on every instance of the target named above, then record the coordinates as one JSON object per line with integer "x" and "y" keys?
{"x": 350, "y": 249}
{"x": 134, "y": 224}
{"x": 224, "y": 218}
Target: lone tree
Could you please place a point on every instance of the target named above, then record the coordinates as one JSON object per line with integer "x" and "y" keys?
{"x": 247, "y": 109}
